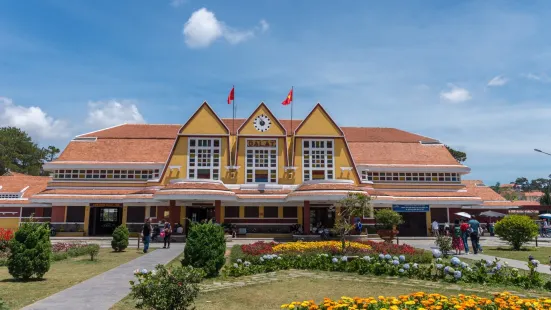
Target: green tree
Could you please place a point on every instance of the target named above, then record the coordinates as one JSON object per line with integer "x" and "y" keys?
{"x": 30, "y": 251}
{"x": 120, "y": 238}
{"x": 458, "y": 155}
{"x": 509, "y": 195}
{"x": 545, "y": 200}
{"x": 516, "y": 230}
{"x": 19, "y": 153}
{"x": 496, "y": 188}
{"x": 523, "y": 183}
{"x": 350, "y": 207}
{"x": 205, "y": 248}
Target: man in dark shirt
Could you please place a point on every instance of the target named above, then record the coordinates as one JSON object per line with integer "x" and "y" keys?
{"x": 146, "y": 234}
{"x": 474, "y": 225}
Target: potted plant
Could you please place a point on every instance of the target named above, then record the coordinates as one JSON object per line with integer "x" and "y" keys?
{"x": 387, "y": 220}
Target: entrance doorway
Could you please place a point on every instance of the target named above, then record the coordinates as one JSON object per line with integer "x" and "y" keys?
{"x": 198, "y": 214}
{"x": 415, "y": 224}
{"x": 103, "y": 221}
{"x": 322, "y": 216}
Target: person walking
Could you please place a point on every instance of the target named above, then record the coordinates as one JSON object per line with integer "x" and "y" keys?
{"x": 474, "y": 225}
{"x": 168, "y": 234}
{"x": 146, "y": 234}
{"x": 457, "y": 242}
{"x": 465, "y": 235}
{"x": 435, "y": 229}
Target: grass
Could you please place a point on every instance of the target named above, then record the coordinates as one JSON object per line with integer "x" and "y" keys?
{"x": 322, "y": 284}
{"x": 540, "y": 253}
{"x": 63, "y": 274}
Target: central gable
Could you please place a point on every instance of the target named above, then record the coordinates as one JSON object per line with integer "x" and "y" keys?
{"x": 318, "y": 123}
{"x": 204, "y": 122}
{"x": 262, "y": 122}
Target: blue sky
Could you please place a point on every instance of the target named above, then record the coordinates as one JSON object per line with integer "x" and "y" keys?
{"x": 473, "y": 74}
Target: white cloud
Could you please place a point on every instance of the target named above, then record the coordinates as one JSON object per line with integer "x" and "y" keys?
{"x": 203, "y": 28}
{"x": 498, "y": 81}
{"x": 177, "y": 3}
{"x": 264, "y": 26}
{"x": 455, "y": 94}
{"x": 113, "y": 112}
{"x": 543, "y": 78}
{"x": 32, "y": 120}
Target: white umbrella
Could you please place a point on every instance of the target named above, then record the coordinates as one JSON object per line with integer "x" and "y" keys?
{"x": 546, "y": 215}
{"x": 464, "y": 214}
{"x": 492, "y": 214}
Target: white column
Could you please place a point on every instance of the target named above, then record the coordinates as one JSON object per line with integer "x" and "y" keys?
{"x": 448, "y": 213}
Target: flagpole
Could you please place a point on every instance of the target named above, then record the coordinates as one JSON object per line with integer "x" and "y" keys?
{"x": 234, "y": 159}
{"x": 292, "y": 129}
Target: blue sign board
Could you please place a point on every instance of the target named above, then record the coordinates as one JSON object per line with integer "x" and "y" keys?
{"x": 411, "y": 208}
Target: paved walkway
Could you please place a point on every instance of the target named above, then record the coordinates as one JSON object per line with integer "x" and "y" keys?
{"x": 103, "y": 291}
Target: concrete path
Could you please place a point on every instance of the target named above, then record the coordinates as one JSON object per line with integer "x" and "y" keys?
{"x": 103, "y": 291}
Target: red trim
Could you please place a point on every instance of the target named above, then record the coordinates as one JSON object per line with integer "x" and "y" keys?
{"x": 217, "y": 211}
{"x": 10, "y": 209}
{"x": 260, "y": 221}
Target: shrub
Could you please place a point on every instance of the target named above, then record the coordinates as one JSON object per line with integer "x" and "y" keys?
{"x": 93, "y": 251}
{"x": 205, "y": 248}
{"x": 444, "y": 243}
{"x": 5, "y": 236}
{"x": 164, "y": 289}
{"x": 66, "y": 246}
{"x": 120, "y": 238}
{"x": 516, "y": 230}
{"x": 3, "y": 305}
{"x": 388, "y": 219}
{"x": 30, "y": 251}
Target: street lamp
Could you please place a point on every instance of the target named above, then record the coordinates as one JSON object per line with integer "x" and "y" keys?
{"x": 540, "y": 151}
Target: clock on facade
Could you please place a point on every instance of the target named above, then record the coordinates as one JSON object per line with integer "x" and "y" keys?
{"x": 262, "y": 123}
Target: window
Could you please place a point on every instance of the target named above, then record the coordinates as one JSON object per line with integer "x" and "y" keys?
{"x": 251, "y": 212}
{"x": 153, "y": 212}
{"x": 47, "y": 212}
{"x": 290, "y": 212}
{"x": 262, "y": 161}
{"x": 271, "y": 212}
{"x": 28, "y": 212}
{"x": 447, "y": 177}
{"x": 10, "y": 195}
{"x": 204, "y": 159}
{"x": 75, "y": 214}
{"x": 317, "y": 157}
{"x": 107, "y": 174}
{"x": 135, "y": 214}
{"x": 230, "y": 212}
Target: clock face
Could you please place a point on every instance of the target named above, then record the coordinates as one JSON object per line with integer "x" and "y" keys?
{"x": 262, "y": 123}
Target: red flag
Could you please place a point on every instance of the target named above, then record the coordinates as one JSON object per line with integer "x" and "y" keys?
{"x": 231, "y": 95}
{"x": 289, "y": 98}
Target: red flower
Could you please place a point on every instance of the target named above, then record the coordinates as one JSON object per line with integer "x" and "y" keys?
{"x": 258, "y": 248}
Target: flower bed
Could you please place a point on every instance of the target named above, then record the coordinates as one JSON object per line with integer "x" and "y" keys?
{"x": 482, "y": 272}
{"x": 426, "y": 301}
{"x": 334, "y": 248}
{"x": 66, "y": 246}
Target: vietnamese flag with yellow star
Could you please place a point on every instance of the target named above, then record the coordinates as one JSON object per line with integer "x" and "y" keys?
{"x": 289, "y": 98}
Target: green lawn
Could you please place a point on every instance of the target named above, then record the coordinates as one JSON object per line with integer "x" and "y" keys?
{"x": 540, "y": 253}
{"x": 318, "y": 285}
{"x": 62, "y": 274}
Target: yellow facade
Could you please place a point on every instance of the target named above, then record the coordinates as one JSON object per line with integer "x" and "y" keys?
{"x": 204, "y": 122}
{"x": 317, "y": 125}
{"x": 9, "y": 223}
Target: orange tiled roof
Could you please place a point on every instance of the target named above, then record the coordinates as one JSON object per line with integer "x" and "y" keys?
{"x": 329, "y": 187}
{"x": 533, "y": 194}
{"x": 525, "y": 203}
{"x": 118, "y": 150}
{"x": 400, "y": 153}
{"x": 482, "y": 191}
{"x": 16, "y": 182}
{"x": 153, "y": 143}
{"x": 425, "y": 194}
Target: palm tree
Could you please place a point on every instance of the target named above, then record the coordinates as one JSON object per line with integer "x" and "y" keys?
{"x": 545, "y": 200}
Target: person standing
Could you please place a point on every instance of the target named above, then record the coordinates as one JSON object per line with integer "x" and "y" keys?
{"x": 146, "y": 234}
{"x": 465, "y": 235}
{"x": 168, "y": 233}
{"x": 457, "y": 242}
{"x": 474, "y": 225}
{"x": 435, "y": 229}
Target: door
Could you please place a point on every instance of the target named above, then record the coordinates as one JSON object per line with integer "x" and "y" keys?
{"x": 107, "y": 219}
{"x": 415, "y": 224}
{"x": 198, "y": 214}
